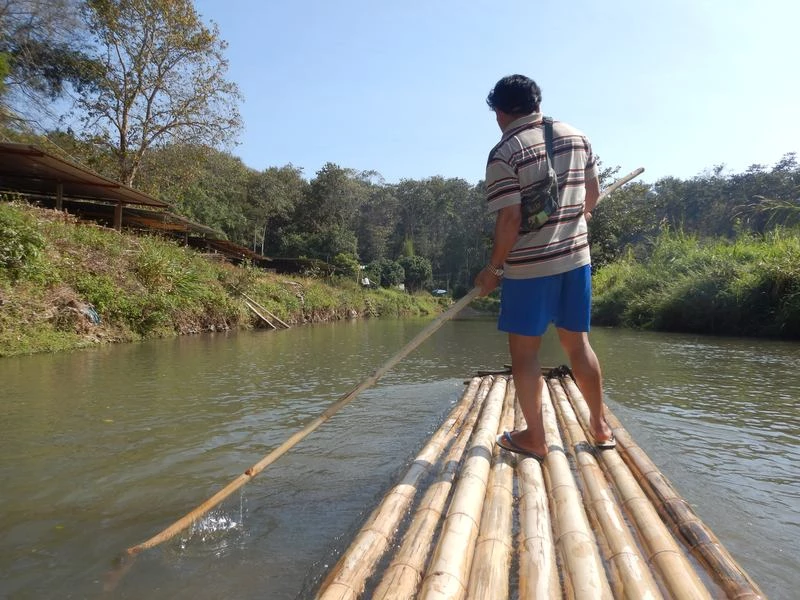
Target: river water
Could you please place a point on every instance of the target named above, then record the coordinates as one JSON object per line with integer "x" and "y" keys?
{"x": 101, "y": 449}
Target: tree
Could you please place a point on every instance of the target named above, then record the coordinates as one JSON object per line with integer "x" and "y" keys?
{"x": 40, "y": 51}
{"x": 624, "y": 219}
{"x": 388, "y": 272}
{"x": 416, "y": 210}
{"x": 376, "y": 222}
{"x": 5, "y": 69}
{"x": 346, "y": 265}
{"x": 163, "y": 80}
{"x": 467, "y": 241}
{"x": 206, "y": 185}
{"x": 418, "y": 271}
{"x": 334, "y": 198}
{"x": 272, "y": 197}
{"x": 322, "y": 245}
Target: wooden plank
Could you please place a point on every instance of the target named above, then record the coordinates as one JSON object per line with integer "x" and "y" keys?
{"x": 262, "y": 317}
{"x": 249, "y": 299}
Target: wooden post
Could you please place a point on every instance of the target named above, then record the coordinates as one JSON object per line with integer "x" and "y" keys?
{"x": 118, "y": 216}
{"x": 59, "y": 196}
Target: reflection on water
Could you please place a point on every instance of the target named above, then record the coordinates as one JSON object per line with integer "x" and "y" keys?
{"x": 101, "y": 449}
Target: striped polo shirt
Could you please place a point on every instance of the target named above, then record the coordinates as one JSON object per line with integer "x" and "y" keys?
{"x": 518, "y": 162}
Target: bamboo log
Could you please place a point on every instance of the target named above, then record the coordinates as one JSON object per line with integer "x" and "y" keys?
{"x": 249, "y": 299}
{"x": 483, "y": 373}
{"x": 346, "y": 580}
{"x": 630, "y": 576}
{"x": 258, "y": 314}
{"x": 582, "y": 569}
{"x": 538, "y": 570}
{"x": 491, "y": 564}
{"x": 670, "y": 564}
{"x": 402, "y": 578}
{"x": 446, "y": 576}
{"x": 678, "y": 515}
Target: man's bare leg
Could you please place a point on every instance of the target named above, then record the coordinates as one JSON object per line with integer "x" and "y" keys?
{"x": 588, "y": 376}
{"x": 528, "y": 382}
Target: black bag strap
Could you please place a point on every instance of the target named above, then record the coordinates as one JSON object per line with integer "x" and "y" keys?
{"x": 548, "y": 139}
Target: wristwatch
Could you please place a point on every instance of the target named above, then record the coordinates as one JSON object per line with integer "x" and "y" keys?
{"x": 496, "y": 271}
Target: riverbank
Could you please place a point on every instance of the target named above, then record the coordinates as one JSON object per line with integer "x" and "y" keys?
{"x": 748, "y": 286}
{"x": 66, "y": 284}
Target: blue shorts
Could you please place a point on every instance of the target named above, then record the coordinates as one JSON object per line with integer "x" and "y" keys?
{"x": 528, "y": 306}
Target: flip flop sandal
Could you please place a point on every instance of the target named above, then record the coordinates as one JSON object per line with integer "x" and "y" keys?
{"x": 506, "y": 442}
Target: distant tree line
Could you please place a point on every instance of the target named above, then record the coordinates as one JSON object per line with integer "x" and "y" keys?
{"x": 714, "y": 204}
{"x": 144, "y": 85}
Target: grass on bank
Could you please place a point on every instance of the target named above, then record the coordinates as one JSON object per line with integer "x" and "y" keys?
{"x": 53, "y": 269}
{"x": 747, "y": 286}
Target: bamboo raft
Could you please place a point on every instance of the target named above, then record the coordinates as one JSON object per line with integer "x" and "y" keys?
{"x": 469, "y": 520}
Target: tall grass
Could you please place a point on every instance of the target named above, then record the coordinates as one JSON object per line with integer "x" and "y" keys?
{"x": 748, "y": 286}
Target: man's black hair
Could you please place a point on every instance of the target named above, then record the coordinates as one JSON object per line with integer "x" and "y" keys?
{"x": 515, "y": 95}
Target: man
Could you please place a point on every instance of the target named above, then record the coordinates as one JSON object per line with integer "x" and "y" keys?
{"x": 545, "y": 274}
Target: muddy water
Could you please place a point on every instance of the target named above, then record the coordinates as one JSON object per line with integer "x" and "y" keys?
{"x": 101, "y": 449}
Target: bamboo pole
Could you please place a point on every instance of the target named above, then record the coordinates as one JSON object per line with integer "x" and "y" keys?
{"x": 678, "y": 515}
{"x": 346, "y": 580}
{"x": 446, "y": 576}
{"x": 675, "y": 572}
{"x": 630, "y": 575}
{"x": 249, "y": 299}
{"x": 582, "y": 569}
{"x": 258, "y": 314}
{"x": 295, "y": 438}
{"x": 620, "y": 182}
{"x": 538, "y": 570}
{"x": 402, "y": 578}
{"x": 492, "y": 562}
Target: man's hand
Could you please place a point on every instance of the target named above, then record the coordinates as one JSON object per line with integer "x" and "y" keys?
{"x": 487, "y": 281}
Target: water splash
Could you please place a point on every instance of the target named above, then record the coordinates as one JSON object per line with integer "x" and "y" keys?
{"x": 216, "y": 530}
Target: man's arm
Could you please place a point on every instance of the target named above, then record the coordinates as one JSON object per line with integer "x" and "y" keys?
{"x": 592, "y": 195}
{"x": 506, "y": 230}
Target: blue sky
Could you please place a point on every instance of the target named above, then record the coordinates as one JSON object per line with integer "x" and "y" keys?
{"x": 677, "y": 86}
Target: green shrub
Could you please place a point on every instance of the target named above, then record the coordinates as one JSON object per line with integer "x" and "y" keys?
{"x": 418, "y": 271}
{"x": 346, "y": 265}
{"x": 99, "y": 290}
{"x": 20, "y": 242}
{"x": 387, "y": 272}
{"x": 748, "y": 286}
